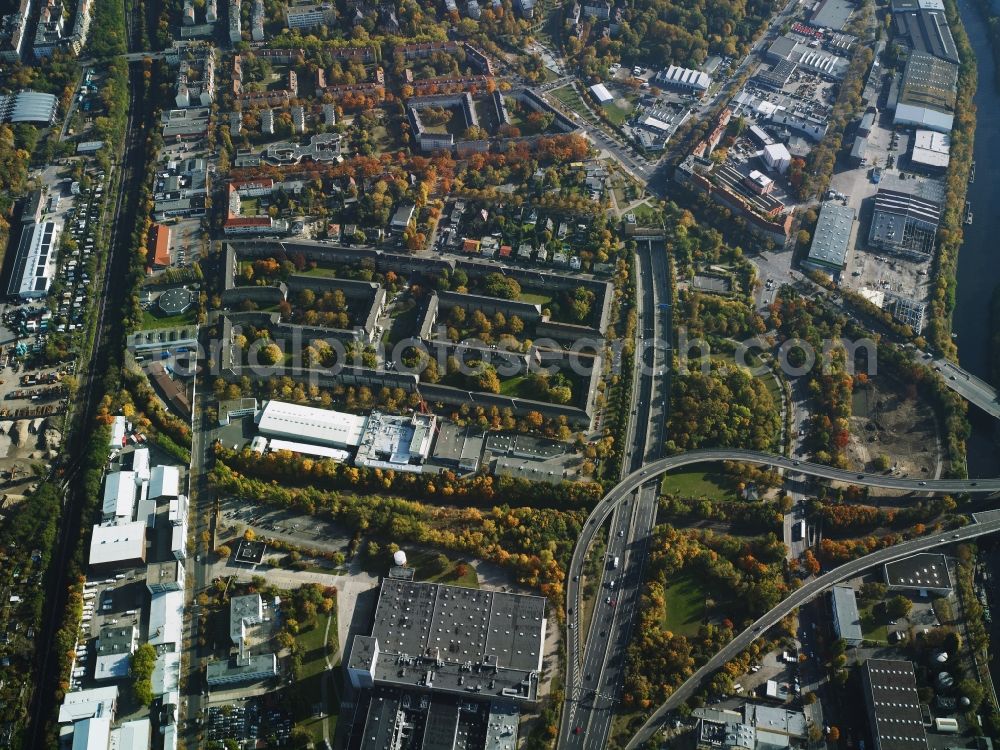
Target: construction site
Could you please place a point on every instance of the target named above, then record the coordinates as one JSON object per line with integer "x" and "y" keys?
{"x": 887, "y": 421}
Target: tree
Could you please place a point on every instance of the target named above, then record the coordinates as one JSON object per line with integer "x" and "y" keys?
{"x": 271, "y": 354}
{"x": 142, "y": 662}
{"x": 223, "y": 551}
{"x": 898, "y": 607}
{"x": 833, "y": 735}
{"x": 972, "y": 690}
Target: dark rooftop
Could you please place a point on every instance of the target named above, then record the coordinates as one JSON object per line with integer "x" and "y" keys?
{"x": 927, "y": 570}
{"x": 454, "y": 639}
{"x": 893, "y": 705}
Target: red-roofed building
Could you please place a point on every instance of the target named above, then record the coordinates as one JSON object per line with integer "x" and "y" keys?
{"x": 470, "y": 246}
{"x": 159, "y": 247}
{"x": 506, "y": 251}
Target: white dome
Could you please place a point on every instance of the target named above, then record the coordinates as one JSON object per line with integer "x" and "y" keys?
{"x": 399, "y": 558}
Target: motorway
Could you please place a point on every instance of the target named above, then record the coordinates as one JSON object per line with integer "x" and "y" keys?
{"x": 595, "y": 679}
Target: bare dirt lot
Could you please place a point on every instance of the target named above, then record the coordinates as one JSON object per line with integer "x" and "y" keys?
{"x": 887, "y": 421}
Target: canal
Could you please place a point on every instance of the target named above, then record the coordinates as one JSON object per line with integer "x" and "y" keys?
{"x": 979, "y": 258}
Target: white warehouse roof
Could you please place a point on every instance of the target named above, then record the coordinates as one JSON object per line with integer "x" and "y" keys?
{"x": 119, "y": 494}
{"x": 932, "y": 149}
{"x": 132, "y": 735}
{"x": 85, "y": 704}
{"x": 164, "y": 481}
{"x": 117, "y": 432}
{"x": 686, "y": 77}
{"x": 166, "y": 618}
{"x": 121, "y": 543}
{"x": 140, "y": 464}
{"x": 92, "y": 734}
{"x": 306, "y": 423}
{"x": 28, "y": 106}
{"x": 307, "y": 449}
{"x": 601, "y": 93}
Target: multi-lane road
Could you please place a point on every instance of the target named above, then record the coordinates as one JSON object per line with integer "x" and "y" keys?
{"x": 595, "y": 667}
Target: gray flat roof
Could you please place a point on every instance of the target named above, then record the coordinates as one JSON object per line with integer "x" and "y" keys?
{"x": 458, "y": 640}
{"x": 845, "y": 614}
{"x": 893, "y": 705}
{"x": 832, "y": 235}
{"x": 926, "y": 570}
{"x": 833, "y": 14}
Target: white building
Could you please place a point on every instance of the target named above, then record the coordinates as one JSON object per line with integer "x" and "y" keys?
{"x": 308, "y": 424}
{"x": 683, "y": 79}
{"x": 164, "y": 482}
{"x": 601, "y": 94}
{"x": 395, "y": 442}
{"x": 132, "y": 735}
{"x": 88, "y": 704}
{"x": 118, "y": 546}
{"x": 310, "y": 16}
{"x": 140, "y": 465}
{"x": 119, "y": 496}
{"x": 244, "y": 611}
{"x": 92, "y": 734}
{"x": 117, "y": 432}
{"x": 115, "y": 645}
{"x": 776, "y": 157}
{"x": 166, "y": 677}
{"x": 166, "y": 619}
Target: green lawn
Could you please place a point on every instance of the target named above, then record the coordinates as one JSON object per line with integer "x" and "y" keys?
{"x": 694, "y": 483}
{"x": 616, "y": 114}
{"x": 535, "y": 299}
{"x": 684, "y": 607}
{"x": 512, "y": 386}
{"x": 874, "y": 627}
{"x": 329, "y": 273}
{"x": 153, "y": 319}
{"x": 307, "y": 692}
{"x": 646, "y": 215}
{"x": 568, "y": 96}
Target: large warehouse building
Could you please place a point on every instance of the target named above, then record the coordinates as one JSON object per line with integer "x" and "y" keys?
{"x": 924, "y": 27}
{"x": 308, "y": 424}
{"x": 890, "y": 690}
{"x": 35, "y": 264}
{"x": 904, "y": 224}
{"x": 452, "y": 641}
{"x": 926, "y": 97}
{"x": 831, "y": 238}
{"x": 379, "y": 440}
{"x": 677, "y": 78}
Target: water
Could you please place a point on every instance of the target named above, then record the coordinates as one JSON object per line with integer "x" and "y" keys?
{"x": 979, "y": 257}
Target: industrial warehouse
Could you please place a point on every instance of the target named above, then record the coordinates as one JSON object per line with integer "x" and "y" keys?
{"x": 380, "y": 440}
{"x": 445, "y": 666}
